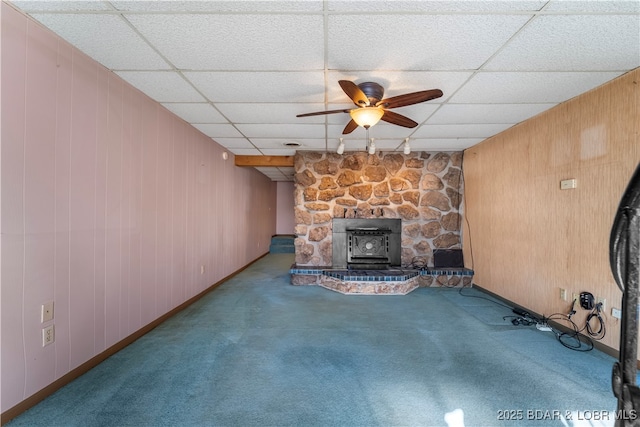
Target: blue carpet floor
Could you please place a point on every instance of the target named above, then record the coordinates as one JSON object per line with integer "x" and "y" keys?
{"x": 257, "y": 351}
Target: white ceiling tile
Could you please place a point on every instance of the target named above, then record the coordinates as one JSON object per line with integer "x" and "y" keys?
{"x": 430, "y": 42}
{"x": 445, "y": 144}
{"x": 486, "y": 113}
{"x": 234, "y": 142}
{"x": 280, "y": 144}
{"x": 278, "y": 151}
{"x": 595, "y": 6}
{"x": 220, "y": 6}
{"x": 66, "y": 6}
{"x": 162, "y": 86}
{"x": 259, "y": 86}
{"x": 381, "y": 130}
{"x": 216, "y": 131}
{"x": 200, "y": 112}
{"x": 573, "y": 43}
{"x": 102, "y": 36}
{"x": 282, "y": 130}
{"x": 313, "y": 144}
{"x": 512, "y": 88}
{"x": 236, "y": 41}
{"x": 435, "y": 6}
{"x": 387, "y": 144}
{"x": 269, "y": 112}
{"x": 460, "y": 130}
{"x": 245, "y": 151}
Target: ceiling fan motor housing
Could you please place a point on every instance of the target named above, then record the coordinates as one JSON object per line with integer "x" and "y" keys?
{"x": 373, "y": 91}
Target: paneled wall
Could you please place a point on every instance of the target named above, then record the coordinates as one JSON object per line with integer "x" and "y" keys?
{"x": 526, "y": 238}
{"x": 112, "y": 207}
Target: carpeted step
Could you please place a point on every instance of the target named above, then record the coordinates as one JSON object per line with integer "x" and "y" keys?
{"x": 282, "y": 244}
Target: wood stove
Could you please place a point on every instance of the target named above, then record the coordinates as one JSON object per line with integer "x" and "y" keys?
{"x": 368, "y": 247}
{"x": 366, "y": 243}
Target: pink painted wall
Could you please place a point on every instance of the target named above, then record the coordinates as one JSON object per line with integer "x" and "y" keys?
{"x": 110, "y": 206}
{"x": 285, "y": 221}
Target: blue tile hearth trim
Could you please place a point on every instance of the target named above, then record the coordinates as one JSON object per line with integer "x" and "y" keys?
{"x": 371, "y": 275}
{"x": 295, "y": 270}
{"x": 447, "y": 272}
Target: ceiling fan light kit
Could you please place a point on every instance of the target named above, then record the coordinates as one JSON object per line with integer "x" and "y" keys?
{"x": 372, "y": 107}
{"x": 366, "y": 116}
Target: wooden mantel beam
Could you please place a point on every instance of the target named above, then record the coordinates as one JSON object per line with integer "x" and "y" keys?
{"x": 264, "y": 161}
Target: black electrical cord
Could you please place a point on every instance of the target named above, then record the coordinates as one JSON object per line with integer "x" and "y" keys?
{"x": 573, "y": 339}
{"x": 595, "y": 314}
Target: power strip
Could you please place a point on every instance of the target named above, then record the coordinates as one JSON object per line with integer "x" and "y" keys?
{"x": 543, "y": 327}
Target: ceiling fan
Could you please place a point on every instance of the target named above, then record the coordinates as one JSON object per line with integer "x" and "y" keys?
{"x": 371, "y": 107}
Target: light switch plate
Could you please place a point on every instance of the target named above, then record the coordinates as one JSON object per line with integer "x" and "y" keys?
{"x": 46, "y": 313}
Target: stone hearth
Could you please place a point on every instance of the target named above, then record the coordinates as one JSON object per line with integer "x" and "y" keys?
{"x": 366, "y": 282}
{"x": 380, "y": 282}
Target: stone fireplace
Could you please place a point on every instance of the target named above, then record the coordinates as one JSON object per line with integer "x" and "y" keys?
{"x": 421, "y": 192}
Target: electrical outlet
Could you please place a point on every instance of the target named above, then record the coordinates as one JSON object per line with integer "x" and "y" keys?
{"x": 576, "y": 298}
{"x": 616, "y": 313}
{"x": 563, "y": 294}
{"x": 567, "y": 184}
{"x": 48, "y": 335}
{"x": 202, "y": 269}
{"x": 603, "y": 301}
{"x": 46, "y": 312}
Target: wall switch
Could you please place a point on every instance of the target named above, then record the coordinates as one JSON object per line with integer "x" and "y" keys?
{"x": 48, "y": 335}
{"x": 563, "y": 294}
{"x": 46, "y": 312}
{"x": 567, "y": 184}
{"x": 616, "y": 312}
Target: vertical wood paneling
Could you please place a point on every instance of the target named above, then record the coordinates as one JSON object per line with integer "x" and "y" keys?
{"x": 13, "y": 74}
{"x": 62, "y": 167}
{"x": 126, "y": 183}
{"x": 533, "y": 238}
{"x": 165, "y": 130}
{"x": 113, "y": 212}
{"x": 101, "y": 269}
{"x": 119, "y": 203}
{"x": 83, "y": 153}
{"x": 149, "y": 214}
{"x": 135, "y": 212}
{"x": 39, "y": 205}
{"x": 178, "y": 211}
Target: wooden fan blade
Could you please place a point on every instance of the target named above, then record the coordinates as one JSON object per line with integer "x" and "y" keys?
{"x": 318, "y": 113}
{"x": 350, "y": 127}
{"x": 410, "y": 98}
{"x": 398, "y": 119}
{"x": 355, "y": 93}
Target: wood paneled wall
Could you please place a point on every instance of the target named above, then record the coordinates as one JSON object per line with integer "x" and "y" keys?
{"x": 525, "y": 237}
{"x": 111, "y": 207}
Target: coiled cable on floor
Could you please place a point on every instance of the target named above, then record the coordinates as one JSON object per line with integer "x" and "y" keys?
{"x": 573, "y": 339}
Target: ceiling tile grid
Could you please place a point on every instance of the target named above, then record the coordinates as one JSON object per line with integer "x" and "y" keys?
{"x": 241, "y": 71}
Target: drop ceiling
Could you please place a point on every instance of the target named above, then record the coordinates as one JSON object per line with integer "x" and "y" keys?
{"x": 240, "y": 71}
